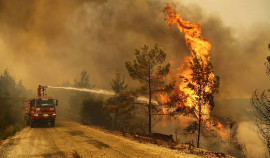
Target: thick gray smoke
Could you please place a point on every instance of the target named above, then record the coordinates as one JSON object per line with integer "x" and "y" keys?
{"x": 49, "y": 42}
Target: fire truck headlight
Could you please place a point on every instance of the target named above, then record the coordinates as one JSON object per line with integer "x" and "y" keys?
{"x": 35, "y": 114}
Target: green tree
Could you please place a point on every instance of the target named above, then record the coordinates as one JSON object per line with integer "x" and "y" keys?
{"x": 90, "y": 107}
{"x": 203, "y": 85}
{"x": 12, "y": 96}
{"x": 83, "y": 82}
{"x": 118, "y": 83}
{"x": 78, "y": 97}
{"x": 92, "y": 111}
{"x": 148, "y": 69}
{"x": 122, "y": 103}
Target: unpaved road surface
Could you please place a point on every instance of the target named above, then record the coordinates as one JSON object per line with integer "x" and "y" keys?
{"x": 71, "y": 139}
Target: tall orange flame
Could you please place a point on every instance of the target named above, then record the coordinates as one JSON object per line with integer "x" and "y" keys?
{"x": 199, "y": 47}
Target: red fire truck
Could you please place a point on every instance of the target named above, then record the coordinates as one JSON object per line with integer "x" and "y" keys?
{"x": 40, "y": 109}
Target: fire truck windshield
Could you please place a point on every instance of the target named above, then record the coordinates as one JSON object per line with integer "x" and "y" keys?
{"x": 45, "y": 102}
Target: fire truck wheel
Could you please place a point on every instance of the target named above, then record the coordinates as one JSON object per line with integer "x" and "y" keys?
{"x": 52, "y": 123}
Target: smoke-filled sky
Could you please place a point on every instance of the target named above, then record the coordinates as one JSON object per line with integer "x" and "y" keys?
{"x": 239, "y": 14}
{"x": 50, "y": 41}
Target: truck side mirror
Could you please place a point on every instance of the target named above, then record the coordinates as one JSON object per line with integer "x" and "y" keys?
{"x": 56, "y": 102}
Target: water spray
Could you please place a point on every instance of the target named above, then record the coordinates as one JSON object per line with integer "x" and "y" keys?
{"x": 98, "y": 91}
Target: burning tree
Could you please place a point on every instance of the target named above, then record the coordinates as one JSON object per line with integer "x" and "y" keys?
{"x": 199, "y": 83}
{"x": 203, "y": 88}
{"x": 148, "y": 69}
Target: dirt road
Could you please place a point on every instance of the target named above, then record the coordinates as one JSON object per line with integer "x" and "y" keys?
{"x": 71, "y": 139}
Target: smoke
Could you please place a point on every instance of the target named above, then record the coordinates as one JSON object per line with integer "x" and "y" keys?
{"x": 247, "y": 132}
{"x": 50, "y": 42}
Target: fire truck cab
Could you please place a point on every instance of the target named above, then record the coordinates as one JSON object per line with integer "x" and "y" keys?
{"x": 41, "y": 109}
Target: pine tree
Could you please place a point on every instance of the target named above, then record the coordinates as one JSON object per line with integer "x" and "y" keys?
{"x": 77, "y": 99}
{"x": 148, "y": 68}
{"x": 83, "y": 82}
{"x": 203, "y": 85}
{"x": 122, "y": 103}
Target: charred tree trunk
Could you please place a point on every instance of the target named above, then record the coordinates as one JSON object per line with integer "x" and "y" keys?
{"x": 149, "y": 114}
{"x": 200, "y": 113}
{"x": 115, "y": 120}
{"x": 150, "y": 100}
{"x": 199, "y": 126}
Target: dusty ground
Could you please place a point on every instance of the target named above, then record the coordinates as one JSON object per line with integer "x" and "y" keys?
{"x": 71, "y": 139}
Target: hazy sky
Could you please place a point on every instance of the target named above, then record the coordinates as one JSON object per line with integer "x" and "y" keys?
{"x": 237, "y": 13}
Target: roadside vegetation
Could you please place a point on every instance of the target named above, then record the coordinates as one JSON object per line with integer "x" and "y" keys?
{"x": 11, "y": 130}
{"x": 89, "y": 106}
{"x": 127, "y": 113}
{"x": 124, "y": 111}
{"x": 12, "y": 97}
{"x": 121, "y": 106}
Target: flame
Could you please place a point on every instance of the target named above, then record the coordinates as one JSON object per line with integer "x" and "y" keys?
{"x": 199, "y": 47}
